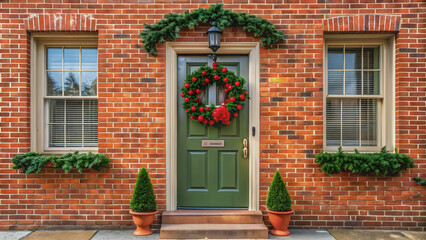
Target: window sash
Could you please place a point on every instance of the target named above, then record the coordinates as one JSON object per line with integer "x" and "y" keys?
{"x": 347, "y": 121}
{"x": 63, "y": 71}
{"x": 68, "y": 114}
{"x": 378, "y": 97}
{"x": 362, "y": 69}
{"x": 83, "y": 144}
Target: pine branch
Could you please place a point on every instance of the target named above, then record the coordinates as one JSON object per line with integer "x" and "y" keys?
{"x": 168, "y": 28}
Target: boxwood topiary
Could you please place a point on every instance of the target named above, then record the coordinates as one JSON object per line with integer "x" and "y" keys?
{"x": 143, "y": 199}
{"x": 381, "y": 163}
{"x": 278, "y": 198}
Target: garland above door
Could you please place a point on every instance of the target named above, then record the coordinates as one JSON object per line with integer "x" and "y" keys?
{"x": 169, "y": 27}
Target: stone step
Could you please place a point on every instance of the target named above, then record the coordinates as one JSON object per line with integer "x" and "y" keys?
{"x": 212, "y": 216}
{"x": 214, "y": 231}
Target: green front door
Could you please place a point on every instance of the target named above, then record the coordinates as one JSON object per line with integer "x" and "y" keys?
{"x": 212, "y": 177}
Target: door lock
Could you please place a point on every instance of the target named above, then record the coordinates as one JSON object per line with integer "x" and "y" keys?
{"x": 245, "y": 148}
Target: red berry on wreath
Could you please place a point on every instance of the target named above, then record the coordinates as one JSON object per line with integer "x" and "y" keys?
{"x": 235, "y": 114}
{"x": 182, "y": 94}
{"x": 190, "y": 92}
{"x": 193, "y": 108}
{"x": 194, "y": 79}
{"x": 239, "y": 106}
{"x": 201, "y": 109}
{"x": 224, "y": 70}
{"x": 245, "y": 91}
{"x": 214, "y": 64}
{"x": 204, "y": 73}
{"x": 207, "y": 80}
{"x": 211, "y": 122}
{"x": 186, "y": 85}
{"x": 214, "y": 68}
{"x": 204, "y": 83}
{"x": 205, "y": 121}
{"x": 197, "y": 90}
{"x": 216, "y": 119}
{"x": 226, "y": 90}
{"x": 200, "y": 118}
{"x": 237, "y": 84}
{"x": 186, "y": 110}
{"x": 207, "y": 108}
{"x": 232, "y": 99}
{"x": 197, "y": 100}
{"x": 229, "y": 88}
{"x": 191, "y": 117}
{"x": 227, "y": 101}
{"x": 216, "y": 77}
{"x": 225, "y": 80}
{"x": 186, "y": 99}
{"x": 242, "y": 96}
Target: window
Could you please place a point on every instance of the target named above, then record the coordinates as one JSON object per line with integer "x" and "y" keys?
{"x": 71, "y": 84}
{"x": 355, "y": 95}
{"x": 67, "y": 109}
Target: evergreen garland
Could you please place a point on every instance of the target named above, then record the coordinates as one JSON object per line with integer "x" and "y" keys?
{"x": 420, "y": 181}
{"x": 34, "y": 162}
{"x": 278, "y": 198}
{"x": 143, "y": 199}
{"x": 381, "y": 163}
{"x": 168, "y": 28}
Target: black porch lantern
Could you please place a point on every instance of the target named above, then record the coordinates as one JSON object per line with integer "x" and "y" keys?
{"x": 214, "y": 39}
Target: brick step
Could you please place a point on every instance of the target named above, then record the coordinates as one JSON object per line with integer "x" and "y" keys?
{"x": 212, "y": 216}
{"x": 214, "y": 231}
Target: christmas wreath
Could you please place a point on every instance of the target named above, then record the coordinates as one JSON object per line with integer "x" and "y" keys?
{"x": 235, "y": 95}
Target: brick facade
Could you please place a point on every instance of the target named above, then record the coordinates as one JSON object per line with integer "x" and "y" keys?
{"x": 132, "y": 111}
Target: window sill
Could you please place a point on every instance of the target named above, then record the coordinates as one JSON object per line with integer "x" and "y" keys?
{"x": 352, "y": 149}
{"x": 68, "y": 150}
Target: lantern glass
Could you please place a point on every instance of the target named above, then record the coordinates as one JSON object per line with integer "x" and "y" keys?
{"x": 214, "y": 37}
{"x": 214, "y": 40}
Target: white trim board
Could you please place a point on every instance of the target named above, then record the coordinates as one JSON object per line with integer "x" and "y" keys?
{"x": 172, "y": 50}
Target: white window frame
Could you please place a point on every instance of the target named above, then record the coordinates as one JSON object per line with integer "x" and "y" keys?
{"x": 386, "y": 103}
{"x": 39, "y": 107}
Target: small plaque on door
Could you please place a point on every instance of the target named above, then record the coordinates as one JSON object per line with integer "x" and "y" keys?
{"x": 213, "y": 143}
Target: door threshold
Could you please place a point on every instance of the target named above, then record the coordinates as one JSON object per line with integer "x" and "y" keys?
{"x": 209, "y": 208}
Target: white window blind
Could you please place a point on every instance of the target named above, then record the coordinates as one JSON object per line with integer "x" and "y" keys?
{"x": 353, "y": 95}
{"x": 71, "y": 97}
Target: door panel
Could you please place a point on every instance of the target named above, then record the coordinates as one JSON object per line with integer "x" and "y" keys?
{"x": 228, "y": 171}
{"x": 197, "y": 163}
{"x": 212, "y": 177}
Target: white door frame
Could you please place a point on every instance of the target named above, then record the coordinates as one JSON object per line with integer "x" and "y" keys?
{"x": 172, "y": 50}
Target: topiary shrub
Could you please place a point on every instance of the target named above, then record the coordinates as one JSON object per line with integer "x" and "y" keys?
{"x": 278, "y": 198}
{"x": 381, "y": 163}
{"x": 143, "y": 199}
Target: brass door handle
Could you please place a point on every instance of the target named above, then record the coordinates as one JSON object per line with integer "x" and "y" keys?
{"x": 245, "y": 148}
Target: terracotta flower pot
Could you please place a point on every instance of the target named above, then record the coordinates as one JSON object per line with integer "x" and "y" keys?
{"x": 280, "y": 221}
{"x": 143, "y": 221}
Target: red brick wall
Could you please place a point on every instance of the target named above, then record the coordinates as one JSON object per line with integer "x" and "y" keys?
{"x": 132, "y": 112}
